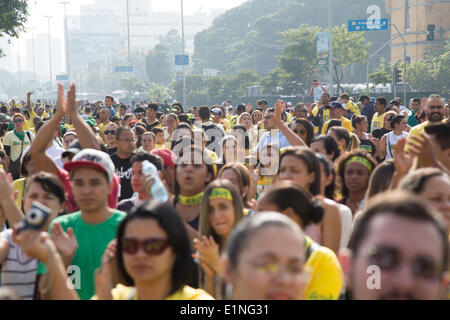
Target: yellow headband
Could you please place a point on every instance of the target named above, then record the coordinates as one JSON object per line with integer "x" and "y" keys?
{"x": 221, "y": 193}
{"x": 361, "y": 160}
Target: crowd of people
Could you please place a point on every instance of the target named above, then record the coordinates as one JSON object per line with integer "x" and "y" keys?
{"x": 342, "y": 198}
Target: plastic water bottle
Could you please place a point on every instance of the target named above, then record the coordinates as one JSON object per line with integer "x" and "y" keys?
{"x": 157, "y": 190}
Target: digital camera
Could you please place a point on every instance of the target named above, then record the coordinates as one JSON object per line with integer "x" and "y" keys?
{"x": 35, "y": 218}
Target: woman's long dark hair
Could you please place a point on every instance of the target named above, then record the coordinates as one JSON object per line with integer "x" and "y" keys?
{"x": 311, "y": 162}
{"x": 169, "y": 220}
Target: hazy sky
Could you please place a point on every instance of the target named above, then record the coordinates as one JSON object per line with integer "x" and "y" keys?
{"x": 53, "y": 8}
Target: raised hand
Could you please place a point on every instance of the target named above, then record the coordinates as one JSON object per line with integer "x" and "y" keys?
{"x": 6, "y": 187}
{"x": 208, "y": 253}
{"x": 71, "y": 103}
{"x": 402, "y": 161}
{"x": 61, "y": 104}
{"x": 66, "y": 243}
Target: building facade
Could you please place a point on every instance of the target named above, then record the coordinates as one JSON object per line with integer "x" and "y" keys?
{"x": 412, "y": 18}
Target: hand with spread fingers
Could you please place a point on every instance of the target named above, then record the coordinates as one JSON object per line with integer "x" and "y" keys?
{"x": 402, "y": 161}
{"x": 66, "y": 243}
{"x": 208, "y": 253}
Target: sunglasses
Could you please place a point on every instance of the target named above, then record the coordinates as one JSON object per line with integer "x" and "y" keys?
{"x": 110, "y": 132}
{"x": 151, "y": 246}
{"x": 18, "y": 120}
{"x": 302, "y": 132}
{"x": 389, "y": 259}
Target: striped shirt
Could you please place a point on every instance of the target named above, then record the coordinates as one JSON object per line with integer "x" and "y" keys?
{"x": 18, "y": 270}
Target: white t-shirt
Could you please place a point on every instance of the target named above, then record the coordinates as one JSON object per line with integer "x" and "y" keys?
{"x": 391, "y": 141}
{"x": 317, "y": 92}
{"x": 18, "y": 270}
{"x": 346, "y": 224}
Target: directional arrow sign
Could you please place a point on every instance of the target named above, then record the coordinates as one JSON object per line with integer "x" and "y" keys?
{"x": 181, "y": 60}
{"x": 367, "y": 25}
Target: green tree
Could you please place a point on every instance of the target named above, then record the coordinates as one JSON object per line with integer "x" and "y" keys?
{"x": 382, "y": 74}
{"x": 297, "y": 65}
{"x": 13, "y": 15}
{"x": 419, "y": 75}
{"x": 348, "y": 48}
{"x": 154, "y": 90}
{"x": 133, "y": 85}
{"x": 158, "y": 65}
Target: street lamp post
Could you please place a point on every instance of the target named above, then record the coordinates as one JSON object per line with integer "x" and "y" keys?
{"x": 183, "y": 44}
{"x": 67, "y": 41}
{"x": 128, "y": 27}
{"x": 50, "y": 52}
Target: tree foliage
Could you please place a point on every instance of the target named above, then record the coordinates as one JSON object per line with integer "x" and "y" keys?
{"x": 348, "y": 48}
{"x": 297, "y": 64}
{"x": 13, "y": 15}
{"x": 158, "y": 67}
{"x": 382, "y": 74}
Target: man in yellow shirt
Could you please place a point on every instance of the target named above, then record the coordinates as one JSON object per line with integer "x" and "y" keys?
{"x": 378, "y": 117}
{"x": 104, "y": 118}
{"x": 349, "y": 105}
{"x": 336, "y": 112}
{"x": 435, "y": 111}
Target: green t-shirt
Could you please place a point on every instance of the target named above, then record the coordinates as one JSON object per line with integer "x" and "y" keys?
{"x": 412, "y": 122}
{"x": 92, "y": 242}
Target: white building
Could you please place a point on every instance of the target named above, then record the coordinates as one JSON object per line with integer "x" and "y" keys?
{"x": 101, "y": 30}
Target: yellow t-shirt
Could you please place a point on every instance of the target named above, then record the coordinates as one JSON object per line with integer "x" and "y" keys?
{"x": 102, "y": 126}
{"x": 327, "y": 278}
{"x": 121, "y": 292}
{"x": 377, "y": 121}
{"x": 416, "y": 130}
{"x": 18, "y": 185}
{"x": 345, "y": 122}
{"x": 28, "y": 124}
{"x": 350, "y": 106}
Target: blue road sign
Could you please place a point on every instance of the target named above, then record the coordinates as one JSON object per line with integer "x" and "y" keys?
{"x": 182, "y": 60}
{"x": 367, "y": 25}
{"x": 62, "y": 77}
{"x": 124, "y": 69}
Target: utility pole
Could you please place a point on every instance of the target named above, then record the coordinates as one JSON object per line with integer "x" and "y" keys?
{"x": 404, "y": 63}
{"x": 128, "y": 26}
{"x": 183, "y": 44}
{"x": 67, "y": 41}
{"x": 34, "y": 59}
{"x": 330, "y": 47}
{"x": 50, "y": 53}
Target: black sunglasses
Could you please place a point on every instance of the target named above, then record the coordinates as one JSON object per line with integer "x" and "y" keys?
{"x": 110, "y": 132}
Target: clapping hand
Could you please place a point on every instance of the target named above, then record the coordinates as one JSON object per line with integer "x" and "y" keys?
{"x": 208, "y": 253}
{"x": 66, "y": 243}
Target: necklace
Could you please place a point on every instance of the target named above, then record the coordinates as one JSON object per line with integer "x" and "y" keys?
{"x": 190, "y": 201}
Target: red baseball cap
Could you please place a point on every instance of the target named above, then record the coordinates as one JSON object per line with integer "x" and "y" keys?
{"x": 167, "y": 155}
